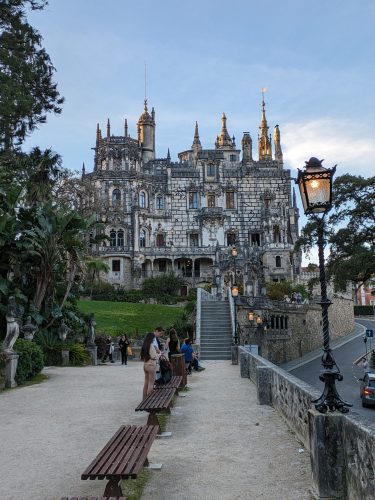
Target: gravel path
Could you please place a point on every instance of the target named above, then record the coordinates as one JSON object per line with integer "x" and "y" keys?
{"x": 224, "y": 446}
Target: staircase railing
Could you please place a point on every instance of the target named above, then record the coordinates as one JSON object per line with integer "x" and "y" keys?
{"x": 202, "y": 296}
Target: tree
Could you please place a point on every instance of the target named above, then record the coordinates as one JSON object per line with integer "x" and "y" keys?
{"x": 350, "y": 231}
{"x": 26, "y": 75}
{"x": 94, "y": 268}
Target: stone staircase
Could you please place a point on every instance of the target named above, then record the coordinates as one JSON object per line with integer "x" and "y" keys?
{"x": 216, "y": 336}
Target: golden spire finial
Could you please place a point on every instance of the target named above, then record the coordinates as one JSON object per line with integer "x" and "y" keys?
{"x": 264, "y": 142}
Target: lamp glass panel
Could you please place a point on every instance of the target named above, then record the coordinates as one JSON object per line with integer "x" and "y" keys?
{"x": 318, "y": 192}
{"x": 301, "y": 186}
{"x": 234, "y": 291}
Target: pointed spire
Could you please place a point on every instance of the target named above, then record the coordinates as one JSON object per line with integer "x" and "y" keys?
{"x": 234, "y": 141}
{"x": 153, "y": 114}
{"x": 126, "y": 128}
{"x": 294, "y": 198}
{"x": 97, "y": 134}
{"x": 83, "y": 169}
{"x": 196, "y": 142}
{"x": 108, "y": 129}
{"x": 168, "y": 157}
{"x": 223, "y": 139}
{"x": 276, "y": 141}
{"x": 264, "y": 142}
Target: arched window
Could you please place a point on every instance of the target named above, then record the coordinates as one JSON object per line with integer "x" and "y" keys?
{"x": 142, "y": 238}
{"x": 160, "y": 241}
{"x": 112, "y": 238}
{"x": 278, "y": 261}
{"x": 116, "y": 197}
{"x": 120, "y": 238}
{"x": 142, "y": 199}
{"x": 159, "y": 202}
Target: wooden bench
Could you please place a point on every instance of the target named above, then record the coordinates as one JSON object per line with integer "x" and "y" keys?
{"x": 156, "y": 402}
{"x": 174, "y": 383}
{"x": 123, "y": 457}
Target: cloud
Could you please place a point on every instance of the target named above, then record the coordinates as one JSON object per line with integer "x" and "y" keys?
{"x": 343, "y": 142}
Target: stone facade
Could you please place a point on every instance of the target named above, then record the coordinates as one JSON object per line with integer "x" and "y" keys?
{"x": 293, "y": 330}
{"x": 184, "y": 217}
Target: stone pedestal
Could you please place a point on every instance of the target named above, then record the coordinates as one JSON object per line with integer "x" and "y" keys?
{"x": 65, "y": 357}
{"x": 93, "y": 352}
{"x": 10, "y": 369}
{"x": 234, "y": 354}
{"x": 179, "y": 367}
{"x": 327, "y": 455}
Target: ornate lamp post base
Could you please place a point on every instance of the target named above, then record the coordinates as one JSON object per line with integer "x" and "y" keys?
{"x": 330, "y": 399}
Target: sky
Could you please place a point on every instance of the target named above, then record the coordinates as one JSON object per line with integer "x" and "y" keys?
{"x": 316, "y": 60}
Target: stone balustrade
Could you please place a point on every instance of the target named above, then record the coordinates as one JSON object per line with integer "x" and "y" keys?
{"x": 342, "y": 447}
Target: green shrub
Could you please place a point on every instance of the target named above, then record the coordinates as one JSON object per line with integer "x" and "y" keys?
{"x": 162, "y": 286}
{"x": 363, "y": 310}
{"x": 78, "y": 356}
{"x": 51, "y": 347}
{"x": 30, "y": 361}
{"x": 278, "y": 290}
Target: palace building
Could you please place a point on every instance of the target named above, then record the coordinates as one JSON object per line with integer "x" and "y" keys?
{"x": 185, "y": 217}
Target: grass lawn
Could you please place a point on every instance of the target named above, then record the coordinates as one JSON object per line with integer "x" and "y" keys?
{"x": 127, "y": 317}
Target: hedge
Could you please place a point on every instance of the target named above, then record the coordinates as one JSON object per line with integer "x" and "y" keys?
{"x": 363, "y": 310}
{"x": 30, "y": 361}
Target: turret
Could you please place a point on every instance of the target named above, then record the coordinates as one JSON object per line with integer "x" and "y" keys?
{"x": 126, "y": 128}
{"x": 146, "y": 134}
{"x": 83, "y": 170}
{"x": 247, "y": 146}
{"x": 264, "y": 141}
{"x": 276, "y": 141}
{"x": 108, "y": 129}
{"x": 223, "y": 139}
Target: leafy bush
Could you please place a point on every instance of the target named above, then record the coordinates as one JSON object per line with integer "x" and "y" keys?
{"x": 162, "y": 286}
{"x": 51, "y": 347}
{"x": 78, "y": 356}
{"x": 30, "y": 361}
{"x": 278, "y": 290}
{"x": 363, "y": 310}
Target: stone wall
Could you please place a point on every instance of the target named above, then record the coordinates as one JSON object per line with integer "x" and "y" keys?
{"x": 342, "y": 447}
{"x": 304, "y": 332}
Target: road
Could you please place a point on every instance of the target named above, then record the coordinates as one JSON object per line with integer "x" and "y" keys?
{"x": 344, "y": 356}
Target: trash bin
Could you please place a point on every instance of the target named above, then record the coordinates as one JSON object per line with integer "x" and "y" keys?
{"x": 179, "y": 368}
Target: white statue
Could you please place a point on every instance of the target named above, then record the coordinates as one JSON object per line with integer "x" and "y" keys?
{"x": 13, "y": 329}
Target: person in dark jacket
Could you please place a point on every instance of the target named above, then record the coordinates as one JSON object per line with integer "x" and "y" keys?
{"x": 173, "y": 344}
{"x": 123, "y": 346}
{"x": 188, "y": 352}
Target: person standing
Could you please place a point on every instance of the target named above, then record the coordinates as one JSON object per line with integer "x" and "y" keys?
{"x": 148, "y": 356}
{"x": 123, "y": 346}
{"x": 365, "y": 366}
{"x": 173, "y": 344}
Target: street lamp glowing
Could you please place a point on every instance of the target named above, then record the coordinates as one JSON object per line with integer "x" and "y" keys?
{"x": 315, "y": 185}
{"x": 259, "y": 320}
{"x": 234, "y": 252}
{"x": 234, "y": 291}
{"x": 250, "y": 316}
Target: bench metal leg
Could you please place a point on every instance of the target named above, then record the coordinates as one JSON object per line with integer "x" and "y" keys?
{"x": 113, "y": 489}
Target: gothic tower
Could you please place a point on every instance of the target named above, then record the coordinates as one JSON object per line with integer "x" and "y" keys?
{"x": 146, "y": 134}
{"x": 264, "y": 141}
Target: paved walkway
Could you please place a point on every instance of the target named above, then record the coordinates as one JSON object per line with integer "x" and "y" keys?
{"x": 224, "y": 445}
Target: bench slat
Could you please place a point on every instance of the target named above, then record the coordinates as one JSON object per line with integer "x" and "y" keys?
{"x": 157, "y": 400}
{"x": 128, "y": 462}
{"x": 122, "y": 457}
{"x": 174, "y": 383}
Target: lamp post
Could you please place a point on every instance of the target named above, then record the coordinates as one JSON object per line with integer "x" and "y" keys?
{"x": 234, "y": 254}
{"x": 234, "y": 291}
{"x": 315, "y": 185}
